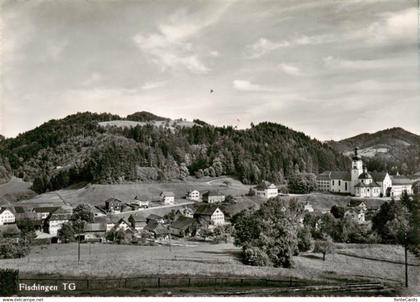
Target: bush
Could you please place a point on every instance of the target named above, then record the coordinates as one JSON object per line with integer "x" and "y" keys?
{"x": 255, "y": 256}
{"x": 324, "y": 247}
{"x": 9, "y": 248}
{"x": 305, "y": 241}
{"x": 8, "y": 282}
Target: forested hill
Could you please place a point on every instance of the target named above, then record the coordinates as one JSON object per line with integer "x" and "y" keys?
{"x": 393, "y": 150}
{"x": 77, "y": 148}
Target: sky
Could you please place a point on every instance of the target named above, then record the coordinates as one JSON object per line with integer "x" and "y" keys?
{"x": 330, "y": 68}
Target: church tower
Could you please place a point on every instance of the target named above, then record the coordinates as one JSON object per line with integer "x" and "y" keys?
{"x": 356, "y": 170}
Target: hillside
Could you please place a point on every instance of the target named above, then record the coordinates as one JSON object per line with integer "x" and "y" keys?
{"x": 92, "y": 147}
{"x": 393, "y": 150}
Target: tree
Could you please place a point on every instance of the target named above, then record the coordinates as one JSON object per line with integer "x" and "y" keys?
{"x": 301, "y": 183}
{"x": 66, "y": 233}
{"x": 272, "y": 229}
{"x": 27, "y": 229}
{"x": 83, "y": 212}
{"x": 324, "y": 247}
{"x": 337, "y": 211}
{"x": 304, "y": 239}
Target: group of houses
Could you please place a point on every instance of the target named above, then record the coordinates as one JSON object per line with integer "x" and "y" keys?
{"x": 207, "y": 197}
{"x": 361, "y": 183}
{"x": 186, "y": 222}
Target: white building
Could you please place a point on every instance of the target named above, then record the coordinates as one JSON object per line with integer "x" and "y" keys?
{"x": 267, "y": 192}
{"x": 193, "y": 195}
{"x": 401, "y": 184}
{"x": 167, "y": 197}
{"x": 6, "y": 216}
{"x": 56, "y": 220}
{"x": 211, "y": 214}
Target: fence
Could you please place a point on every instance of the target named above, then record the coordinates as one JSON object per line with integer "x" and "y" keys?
{"x": 84, "y": 284}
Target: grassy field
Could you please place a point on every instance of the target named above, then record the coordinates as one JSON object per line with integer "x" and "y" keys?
{"x": 376, "y": 262}
{"x": 96, "y": 194}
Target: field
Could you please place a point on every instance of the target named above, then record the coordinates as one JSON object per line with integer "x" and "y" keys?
{"x": 351, "y": 262}
{"x": 96, "y": 194}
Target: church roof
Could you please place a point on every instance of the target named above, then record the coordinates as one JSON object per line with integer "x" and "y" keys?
{"x": 343, "y": 175}
{"x": 365, "y": 175}
{"x": 363, "y": 185}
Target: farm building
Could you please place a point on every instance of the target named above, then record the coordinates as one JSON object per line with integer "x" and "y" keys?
{"x": 183, "y": 226}
{"x": 156, "y": 218}
{"x": 7, "y": 216}
{"x": 137, "y": 222}
{"x": 55, "y": 220}
{"x": 93, "y": 232}
{"x": 157, "y": 230}
{"x": 113, "y": 205}
{"x": 185, "y": 211}
{"x": 167, "y": 197}
{"x": 210, "y": 214}
{"x": 213, "y": 197}
{"x": 44, "y": 212}
{"x": 266, "y": 191}
{"x": 193, "y": 195}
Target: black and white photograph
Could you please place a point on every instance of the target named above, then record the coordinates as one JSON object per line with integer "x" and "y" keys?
{"x": 209, "y": 149}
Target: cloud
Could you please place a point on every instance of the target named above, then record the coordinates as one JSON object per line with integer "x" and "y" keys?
{"x": 290, "y": 69}
{"x": 169, "y": 47}
{"x": 243, "y": 85}
{"x": 264, "y": 46}
{"x": 153, "y": 85}
{"x": 214, "y": 53}
{"x": 395, "y": 27}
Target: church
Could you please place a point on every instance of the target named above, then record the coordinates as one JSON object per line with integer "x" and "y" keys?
{"x": 360, "y": 183}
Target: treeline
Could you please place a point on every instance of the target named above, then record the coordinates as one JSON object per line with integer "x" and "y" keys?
{"x": 76, "y": 148}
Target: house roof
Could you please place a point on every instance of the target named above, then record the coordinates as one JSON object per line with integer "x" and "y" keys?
{"x": 45, "y": 209}
{"x": 61, "y": 214}
{"x": 212, "y": 193}
{"x": 138, "y": 218}
{"x": 356, "y": 203}
{"x": 378, "y": 176}
{"x": 168, "y": 194}
{"x": 340, "y": 175}
{"x": 156, "y": 228}
{"x": 4, "y": 209}
{"x": 94, "y": 227}
{"x": 401, "y": 180}
{"x": 182, "y": 223}
{"x": 154, "y": 217}
{"x": 9, "y": 229}
{"x": 112, "y": 199}
{"x": 206, "y": 210}
{"x": 21, "y": 210}
{"x": 97, "y": 209}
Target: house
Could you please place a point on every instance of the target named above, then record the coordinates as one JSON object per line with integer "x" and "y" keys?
{"x": 354, "y": 203}
{"x": 185, "y": 211}
{"x": 156, "y": 218}
{"x": 137, "y": 222}
{"x": 93, "y": 232}
{"x": 122, "y": 224}
{"x": 357, "y": 215}
{"x": 44, "y": 212}
{"x": 167, "y": 197}
{"x": 113, "y": 205}
{"x": 110, "y": 222}
{"x": 213, "y": 197}
{"x": 98, "y": 211}
{"x": 9, "y": 231}
{"x": 7, "y": 216}
{"x": 158, "y": 230}
{"x": 266, "y": 192}
{"x": 55, "y": 220}
{"x": 183, "y": 226}
{"x": 141, "y": 202}
{"x": 401, "y": 184}
{"x": 308, "y": 208}
{"x": 334, "y": 181}
{"x": 383, "y": 179}
{"x": 193, "y": 195}
{"x": 210, "y": 214}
